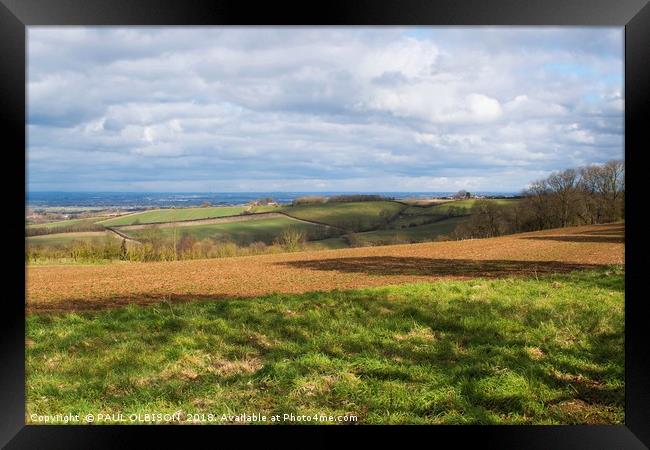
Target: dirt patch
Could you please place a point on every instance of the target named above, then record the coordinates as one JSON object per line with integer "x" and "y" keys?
{"x": 535, "y": 353}
{"x": 577, "y": 411}
{"x": 245, "y": 366}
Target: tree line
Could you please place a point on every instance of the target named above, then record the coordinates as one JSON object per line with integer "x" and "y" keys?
{"x": 73, "y": 228}
{"x": 583, "y": 196}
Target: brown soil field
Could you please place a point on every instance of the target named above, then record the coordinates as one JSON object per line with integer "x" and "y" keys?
{"x": 527, "y": 254}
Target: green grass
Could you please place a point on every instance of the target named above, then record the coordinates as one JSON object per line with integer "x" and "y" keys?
{"x": 443, "y": 208}
{"x": 421, "y": 233}
{"x": 244, "y": 232}
{"x": 180, "y": 214}
{"x": 67, "y": 238}
{"x": 357, "y": 216}
{"x": 415, "y": 220}
{"x": 509, "y": 351}
{"x": 65, "y": 223}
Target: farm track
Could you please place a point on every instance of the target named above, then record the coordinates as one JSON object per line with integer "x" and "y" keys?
{"x": 58, "y": 288}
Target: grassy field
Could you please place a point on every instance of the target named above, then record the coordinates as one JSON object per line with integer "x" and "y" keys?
{"x": 243, "y": 233}
{"x": 406, "y": 221}
{"x": 443, "y": 208}
{"x": 421, "y": 233}
{"x": 398, "y": 233}
{"x": 538, "y": 350}
{"x": 356, "y": 216}
{"x": 66, "y": 223}
{"x": 180, "y": 214}
{"x": 67, "y": 238}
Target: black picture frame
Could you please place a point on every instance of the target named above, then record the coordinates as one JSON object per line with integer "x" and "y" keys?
{"x": 634, "y": 15}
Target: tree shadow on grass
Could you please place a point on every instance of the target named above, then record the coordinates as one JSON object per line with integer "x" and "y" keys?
{"x": 470, "y": 354}
{"x": 392, "y": 265}
{"x": 366, "y": 333}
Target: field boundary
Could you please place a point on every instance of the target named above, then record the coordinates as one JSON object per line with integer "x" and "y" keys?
{"x": 224, "y": 219}
{"x": 122, "y": 235}
{"x": 315, "y": 222}
{"x": 132, "y": 213}
{"x": 189, "y": 220}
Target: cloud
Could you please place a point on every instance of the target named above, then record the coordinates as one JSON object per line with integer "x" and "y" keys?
{"x": 322, "y": 108}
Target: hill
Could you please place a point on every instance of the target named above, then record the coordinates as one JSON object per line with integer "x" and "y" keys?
{"x": 180, "y": 214}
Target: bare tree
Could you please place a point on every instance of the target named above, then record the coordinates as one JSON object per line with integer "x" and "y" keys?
{"x": 461, "y": 194}
{"x": 563, "y": 186}
{"x": 588, "y": 195}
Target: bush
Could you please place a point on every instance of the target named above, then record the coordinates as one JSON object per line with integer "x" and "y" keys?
{"x": 357, "y": 198}
{"x": 398, "y": 238}
{"x": 291, "y": 239}
{"x": 84, "y": 226}
{"x": 257, "y": 248}
{"x": 226, "y": 249}
{"x": 308, "y": 200}
{"x": 352, "y": 239}
{"x": 155, "y": 247}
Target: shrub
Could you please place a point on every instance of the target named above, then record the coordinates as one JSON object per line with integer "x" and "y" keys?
{"x": 352, "y": 239}
{"x": 83, "y": 226}
{"x": 226, "y": 249}
{"x": 292, "y": 239}
{"x": 357, "y": 198}
{"x": 398, "y": 238}
{"x": 308, "y": 200}
{"x": 257, "y": 248}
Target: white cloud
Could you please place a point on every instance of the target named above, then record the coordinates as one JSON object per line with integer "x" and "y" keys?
{"x": 365, "y": 108}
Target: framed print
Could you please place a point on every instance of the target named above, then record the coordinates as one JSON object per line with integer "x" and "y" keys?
{"x": 351, "y": 213}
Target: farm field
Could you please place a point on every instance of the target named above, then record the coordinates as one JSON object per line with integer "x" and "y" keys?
{"x": 67, "y": 238}
{"x": 405, "y": 221}
{"x": 519, "y": 329}
{"x": 399, "y": 231}
{"x": 66, "y": 223}
{"x": 421, "y": 233}
{"x": 354, "y": 216}
{"x": 242, "y": 233}
{"x": 537, "y": 350}
{"x": 180, "y": 214}
{"x": 525, "y": 254}
{"x": 382, "y": 222}
{"x": 443, "y": 208}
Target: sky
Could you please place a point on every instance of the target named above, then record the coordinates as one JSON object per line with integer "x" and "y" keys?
{"x": 233, "y": 109}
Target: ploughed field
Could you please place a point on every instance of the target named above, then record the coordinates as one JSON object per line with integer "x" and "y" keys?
{"x": 526, "y": 254}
